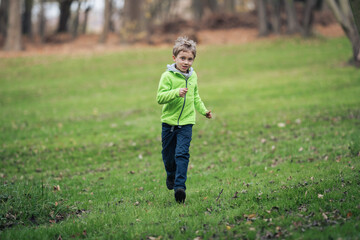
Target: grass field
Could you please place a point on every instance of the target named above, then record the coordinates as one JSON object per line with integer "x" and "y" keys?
{"x": 80, "y": 145}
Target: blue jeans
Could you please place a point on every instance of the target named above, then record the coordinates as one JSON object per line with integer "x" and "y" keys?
{"x": 175, "y": 153}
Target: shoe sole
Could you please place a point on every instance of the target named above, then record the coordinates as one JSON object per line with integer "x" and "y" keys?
{"x": 180, "y": 196}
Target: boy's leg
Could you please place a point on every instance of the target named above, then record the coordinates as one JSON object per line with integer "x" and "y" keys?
{"x": 182, "y": 155}
{"x": 168, "y": 150}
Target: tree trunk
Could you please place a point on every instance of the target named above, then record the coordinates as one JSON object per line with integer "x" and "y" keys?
{"x": 230, "y": 5}
{"x": 26, "y": 18}
{"x": 275, "y": 15}
{"x": 42, "y": 22}
{"x": 355, "y": 7}
{"x": 343, "y": 14}
{"x": 134, "y": 21}
{"x": 292, "y": 22}
{"x": 310, "y": 6}
{"x": 4, "y": 9}
{"x": 87, "y": 10}
{"x": 75, "y": 26}
{"x": 262, "y": 18}
{"x": 213, "y": 5}
{"x": 111, "y": 22}
{"x": 64, "y": 15}
{"x": 106, "y": 25}
{"x": 13, "y": 35}
{"x": 198, "y": 7}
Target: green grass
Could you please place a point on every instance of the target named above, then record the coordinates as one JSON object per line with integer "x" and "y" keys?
{"x": 91, "y": 125}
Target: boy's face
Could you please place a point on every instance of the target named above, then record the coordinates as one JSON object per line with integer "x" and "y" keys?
{"x": 184, "y": 61}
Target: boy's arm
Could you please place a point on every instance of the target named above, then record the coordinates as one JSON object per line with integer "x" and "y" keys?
{"x": 165, "y": 94}
{"x": 199, "y": 105}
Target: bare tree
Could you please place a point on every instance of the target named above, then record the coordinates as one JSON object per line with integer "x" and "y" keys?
{"x": 262, "y": 17}
{"x": 4, "y": 7}
{"x": 26, "y": 18}
{"x": 106, "y": 25}
{"x": 344, "y": 16}
{"x": 293, "y": 25}
{"x": 310, "y": 6}
{"x": 275, "y": 16}
{"x": 42, "y": 21}
{"x": 355, "y": 6}
{"x": 64, "y": 15}
{"x": 75, "y": 25}
{"x": 133, "y": 20}
{"x": 230, "y": 5}
{"x": 87, "y": 10}
{"x": 13, "y": 35}
{"x": 198, "y": 7}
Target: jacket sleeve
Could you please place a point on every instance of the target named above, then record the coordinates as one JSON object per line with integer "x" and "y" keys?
{"x": 165, "y": 92}
{"x": 199, "y": 105}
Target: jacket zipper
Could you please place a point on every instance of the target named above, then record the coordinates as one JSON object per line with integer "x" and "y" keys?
{"x": 186, "y": 79}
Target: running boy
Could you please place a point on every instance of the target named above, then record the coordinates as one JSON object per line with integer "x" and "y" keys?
{"x": 178, "y": 92}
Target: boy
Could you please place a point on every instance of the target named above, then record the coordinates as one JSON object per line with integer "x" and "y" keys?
{"x": 178, "y": 91}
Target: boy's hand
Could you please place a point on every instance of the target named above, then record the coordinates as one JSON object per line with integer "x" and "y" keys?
{"x": 209, "y": 115}
{"x": 182, "y": 92}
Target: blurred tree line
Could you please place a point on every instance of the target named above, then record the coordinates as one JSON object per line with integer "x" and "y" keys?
{"x": 133, "y": 20}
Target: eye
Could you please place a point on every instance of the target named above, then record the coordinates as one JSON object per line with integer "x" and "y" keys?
{"x": 182, "y": 58}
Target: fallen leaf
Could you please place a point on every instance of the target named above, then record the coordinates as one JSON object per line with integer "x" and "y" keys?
{"x": 228, "y": 227}
{"x": 348, "y": 215}
{"x": 320, "y": 196}
{"x": 136, "y": 203}
{"x": 57, "y": 188}
{"x": 59, "y": 238}
{"x": 324, "y": 216}
{"x": 301, "y": 149}
{"x": 56, "y": 203}
{"x": 281, "y": 125}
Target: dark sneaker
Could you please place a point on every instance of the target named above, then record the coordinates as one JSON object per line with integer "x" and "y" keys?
{"x": 170, "y": 182}
{"x": 180, "y": 195}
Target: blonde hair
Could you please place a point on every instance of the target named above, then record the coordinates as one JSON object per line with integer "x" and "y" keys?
{"x": 184, "y": 44}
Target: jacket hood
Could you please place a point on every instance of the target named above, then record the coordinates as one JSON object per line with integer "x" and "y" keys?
{"x": 172, "y": 68}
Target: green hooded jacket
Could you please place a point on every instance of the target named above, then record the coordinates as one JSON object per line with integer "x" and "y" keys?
{"x": 177, "y": 110}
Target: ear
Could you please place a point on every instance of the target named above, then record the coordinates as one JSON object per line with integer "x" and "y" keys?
{"x": 174, "y": 58}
